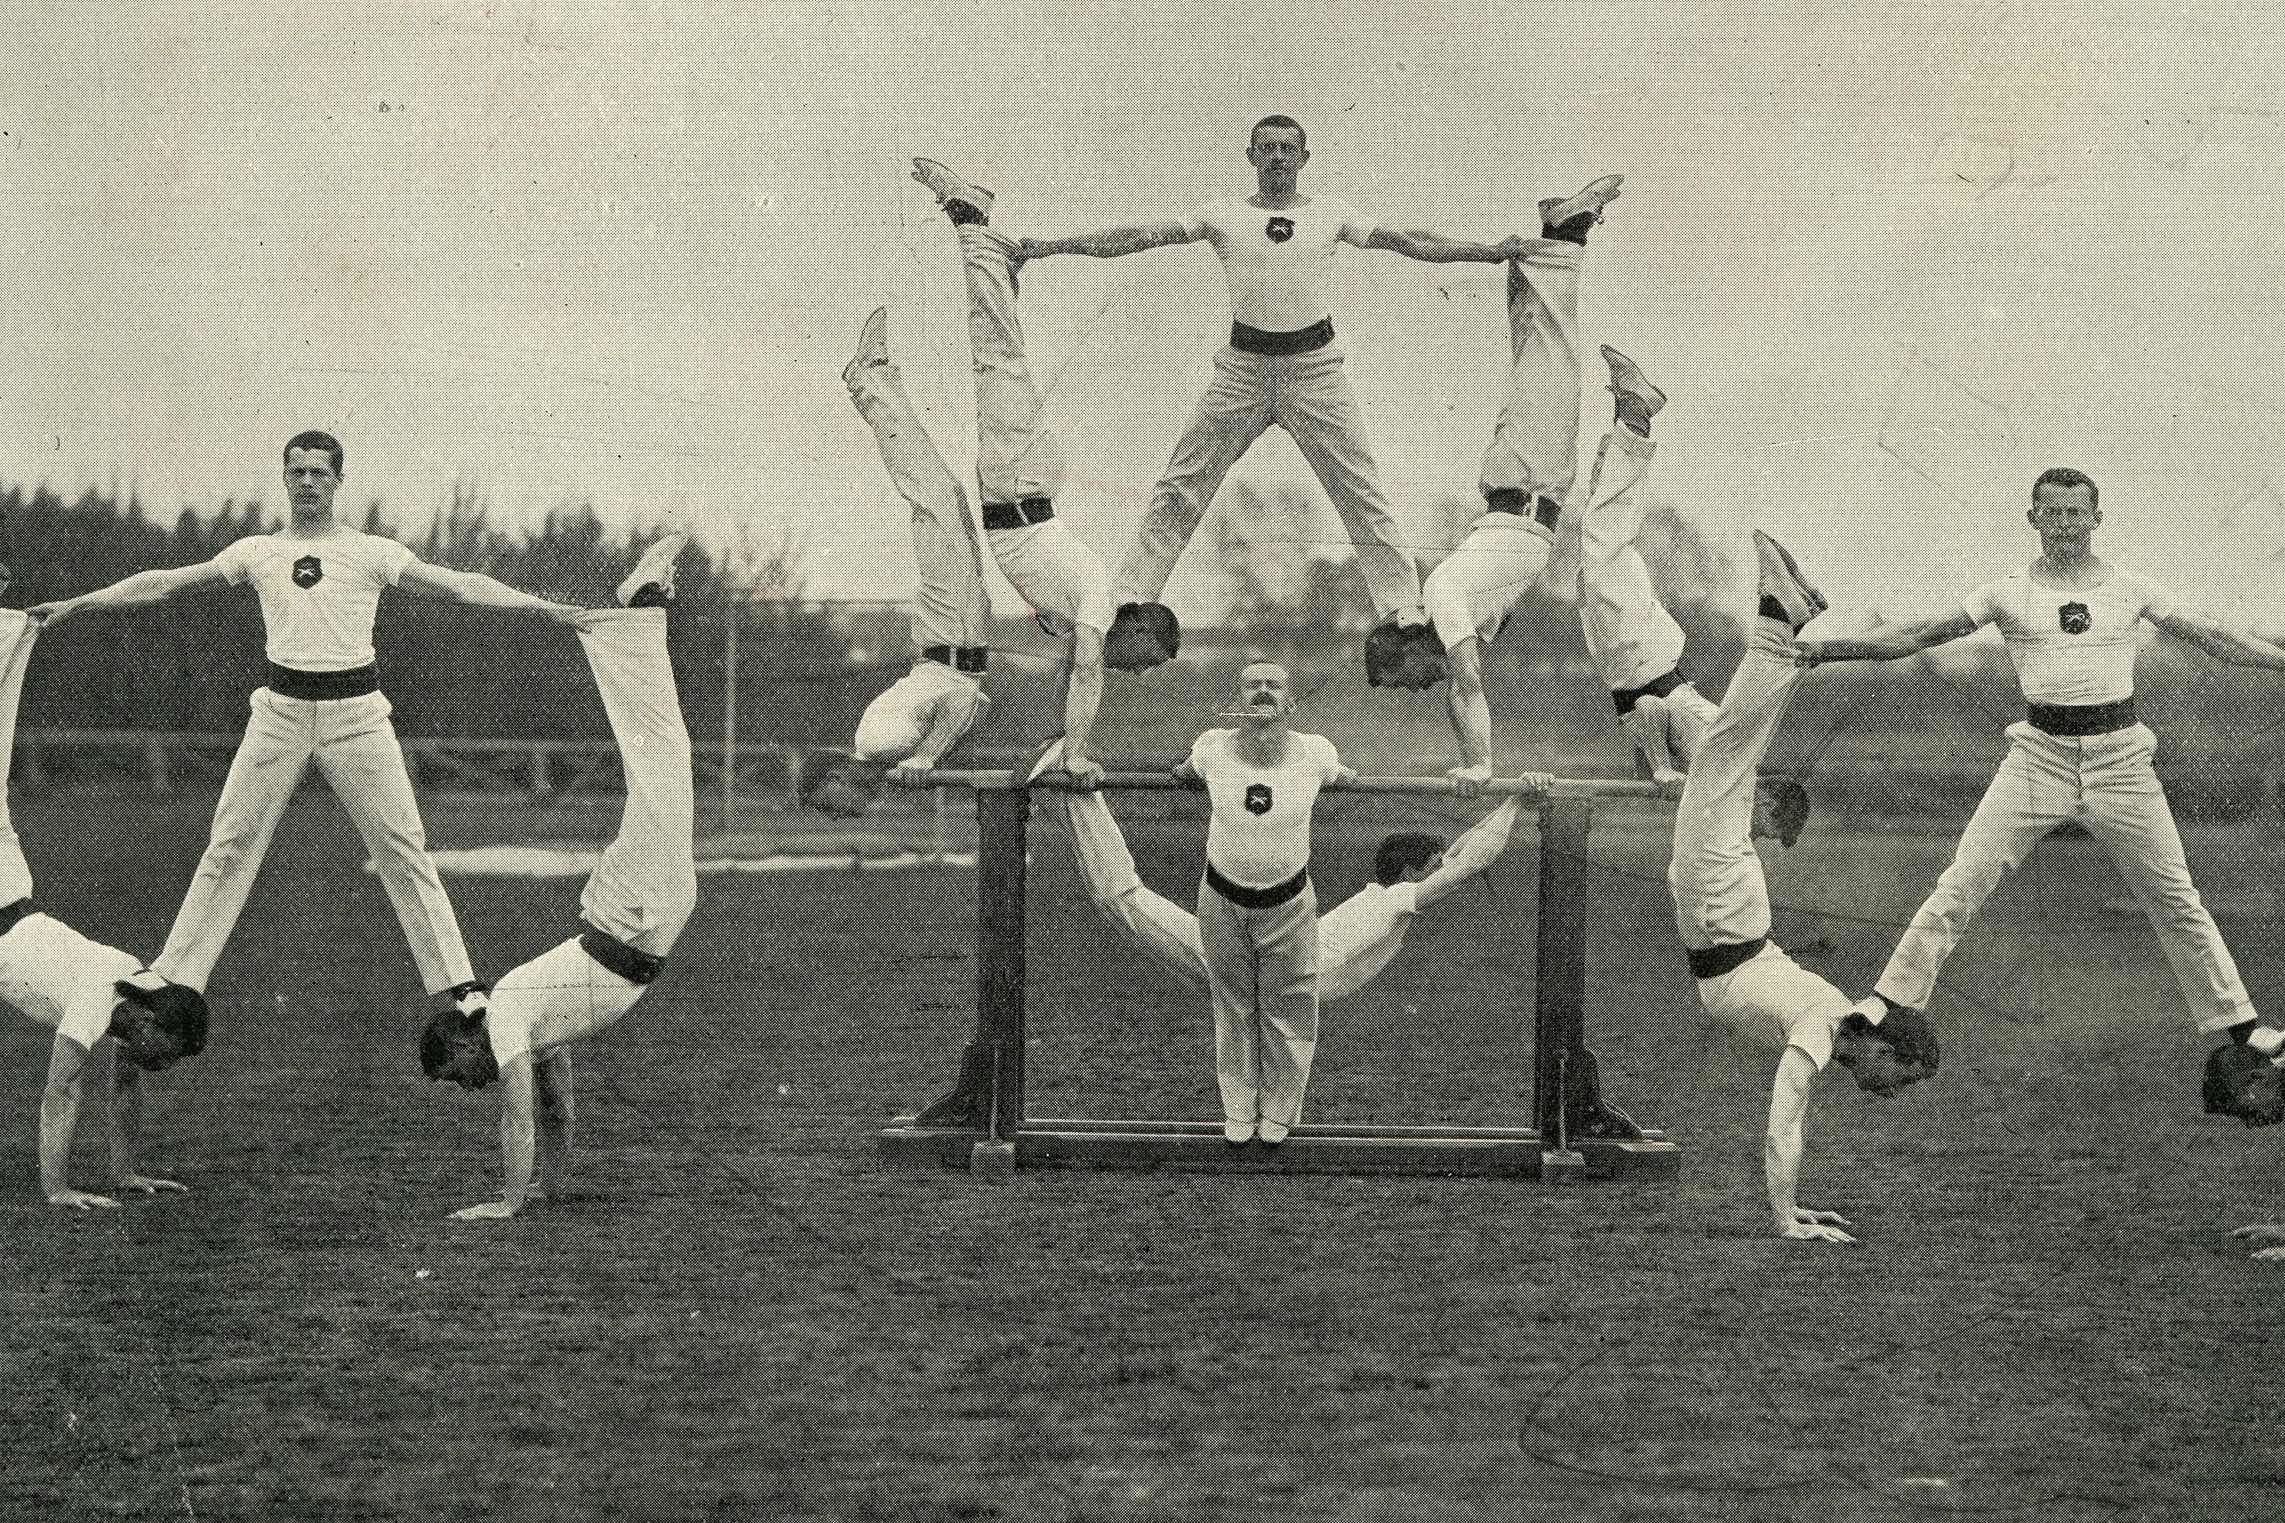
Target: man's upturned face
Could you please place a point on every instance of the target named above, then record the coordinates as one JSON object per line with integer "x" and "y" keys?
{"x": 1877, "y": 1068}
{"x": 471, "y": 1067}
{"x": 2064, "y": 516}
{"x": 310, "y": 484}
{"x": 1424, "y": 871}
{"x": 1277, "y": 155}
{"x": 1262, "y": 693}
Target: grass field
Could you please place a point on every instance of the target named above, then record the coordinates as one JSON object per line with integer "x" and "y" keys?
{"x": 741, "y": 1314}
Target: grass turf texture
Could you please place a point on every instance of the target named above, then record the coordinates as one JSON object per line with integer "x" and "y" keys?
{"x": 741, "y": 1313}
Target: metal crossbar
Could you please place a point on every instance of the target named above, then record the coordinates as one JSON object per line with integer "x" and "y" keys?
{"x": 1573, "y": 1131}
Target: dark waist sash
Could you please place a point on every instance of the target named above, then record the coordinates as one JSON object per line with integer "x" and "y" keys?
{"x": 617, "y": 957}
{"x": 1713, "y": 962}
{"x": 1299, "y": 341}
{"x": 961, "y": 658}
{"x": 1014, "y": 515}
{"x": 1257, "y": 898}
{"x": 324, "y": 687}
{"x": 14, "y": 915}
{"x": 2082, "y": 718}
{"x": 1540, "y": 508}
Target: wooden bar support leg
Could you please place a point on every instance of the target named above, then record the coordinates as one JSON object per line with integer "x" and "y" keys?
{"x": 1566, "y": 1090}
{"x": 988, "y": 1097}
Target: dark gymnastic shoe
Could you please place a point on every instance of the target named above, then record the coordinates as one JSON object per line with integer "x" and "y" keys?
{"x": 651, "y": 583}
{"x": 953, "y": 193}
{"x": 1589, "y": 201}
{"x": 1638, "y": 400}
{"x": 1786, "y": 594}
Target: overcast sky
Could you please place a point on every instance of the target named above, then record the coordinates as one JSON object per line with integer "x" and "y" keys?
{"x": 1887, "y": 260}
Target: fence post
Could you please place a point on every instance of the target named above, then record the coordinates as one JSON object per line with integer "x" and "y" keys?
{"x": 543, "y": 782}
{"x": 155, "y": 758}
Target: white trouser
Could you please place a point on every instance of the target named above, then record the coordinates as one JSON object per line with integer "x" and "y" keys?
{"x": 949, "y": 605}
{"x": 1535, "y": 443}
{"x": 643, "y": 890}
{"x": 1720, "y": 896}
{"x": 1633, "y": 639}
{"x": 1262, "y": 968}
{"x": 17, "y": 634}
{"x": 2105, "y": 783}
{"x": 1017, "y": 454}
{"x": 356, "y": 751}
{"x": 1307, "y": 395}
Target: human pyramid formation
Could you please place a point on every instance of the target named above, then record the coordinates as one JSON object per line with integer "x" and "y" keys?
{"x": 1256, "y": 939}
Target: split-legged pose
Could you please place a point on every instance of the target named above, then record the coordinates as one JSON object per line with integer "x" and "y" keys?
{"x": 1257, "y": 911}
{"x": 1721, "y": 907}
{"x": 908, "y": 728}
{"x": 1282, "y": 368}
{"x": 1019, "y": 468}
{"x": 1356, "y": 939}
{"x": 634, "y": 906}
{"x": 320, "y": 583}
{"x": 2070, "y": 621}
{"x": 83, "y": 990}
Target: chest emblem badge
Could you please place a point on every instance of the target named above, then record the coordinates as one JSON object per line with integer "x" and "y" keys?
{"x": 1259, "y": 799}
{"x": 2075, "y": 617}
{"x": 1279, "y": 230}
{"x": 308, "y": 571}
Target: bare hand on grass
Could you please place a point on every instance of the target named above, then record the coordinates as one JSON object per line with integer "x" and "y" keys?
{"x": 1808, "y": 1226}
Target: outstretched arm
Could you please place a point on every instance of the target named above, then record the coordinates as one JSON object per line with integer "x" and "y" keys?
{"x": 1435, "y": 248}
{"x": 515, "y": 1143}
{"x": 1110, "y": 242}
{"x": 59, "y": 1114}
{"x": 2221, "y": 642}
{"x": 1477, "y": 848}
{"x": 473, "y": 587}
{"x": 1471, "y": 716}
{"x": 1889, "y": 643}
{"x": 556, "y": 1114}
{"x": 1781, "y": 1153}
{"x": 1082, "y": 696}
{"x": 134, "y": 591}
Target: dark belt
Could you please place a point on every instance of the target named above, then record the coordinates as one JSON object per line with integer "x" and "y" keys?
{"x": 1257, "y": 898}
{"x": 1540, "y": 508}
{"x": 1625, "y": 698}
{"x": 324, "y": 687}
{"x": 1299, "y": 341}
{"x": 962, "y": 658}
{"x": 2082, "y": 718}
{"x": 1014, "y": 515}
{"x": 1713, "y": 962}
{"x": 617, "y": 957}
{"x": 13, "y": 915}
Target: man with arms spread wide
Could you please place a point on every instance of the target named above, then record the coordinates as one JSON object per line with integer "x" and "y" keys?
{"x": 320, "y": 582}
{"x": 635, "y": 905}
{"x": 2070, "y": 621}
{"x": 1257, "y": 911}
{"x": 1280, "y": 367}
{"x": 83, "y": 990}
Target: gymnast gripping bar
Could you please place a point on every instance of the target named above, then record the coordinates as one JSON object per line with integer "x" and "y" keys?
{"x": 1565, "y": 787}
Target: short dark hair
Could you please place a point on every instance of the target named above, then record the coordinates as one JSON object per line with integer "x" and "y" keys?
{"x": 1390, "y": 650}
{"x": 448, "y": 1034}
{"x": 2067, "y": 476}
{"x": 176, "y": 1009}
{"x": 1909, "y": 1035}
{"x": 311, "y": 438}
{"x": 1278, "y": 121}
{"x": 1788, "y": 807}
{"x": 1403, "y": 852}
{"x": 1144, "y": 621}
{"x": 829, "y": 787}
